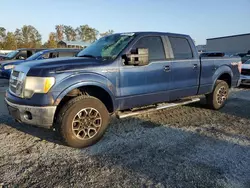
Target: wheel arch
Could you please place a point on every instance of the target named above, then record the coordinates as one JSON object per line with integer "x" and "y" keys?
{"x": 223, "y": 73}
{"x": 226, "y": 77}
{"x": 94, "y": 89}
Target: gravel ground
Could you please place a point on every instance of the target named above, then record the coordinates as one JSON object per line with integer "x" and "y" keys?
{"x": 188, "y": 146}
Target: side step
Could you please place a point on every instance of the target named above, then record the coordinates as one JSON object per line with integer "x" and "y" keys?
{"x": 125, "y": 114}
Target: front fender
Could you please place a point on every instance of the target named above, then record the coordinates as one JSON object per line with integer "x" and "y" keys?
{"x": 86, "y": 79}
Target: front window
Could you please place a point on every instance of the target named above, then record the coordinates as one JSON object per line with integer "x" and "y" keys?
{"x": 108, "y": 47}
{"x": 154, "y": 45}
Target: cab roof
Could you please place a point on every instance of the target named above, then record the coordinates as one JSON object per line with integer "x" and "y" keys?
{"x": 155, "y": 33}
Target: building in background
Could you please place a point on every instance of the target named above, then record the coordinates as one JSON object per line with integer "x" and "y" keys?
{"x": 229, "y": 44}
{"x": 72, "y": 44}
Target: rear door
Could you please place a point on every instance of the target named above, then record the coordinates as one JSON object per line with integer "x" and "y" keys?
{"x": 185, "y": 69}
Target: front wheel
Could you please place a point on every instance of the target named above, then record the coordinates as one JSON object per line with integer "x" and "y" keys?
{"x": 82, "y": 121}
{"x": 218, "y": 97}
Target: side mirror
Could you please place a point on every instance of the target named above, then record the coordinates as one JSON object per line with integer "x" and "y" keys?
{"x": 137, "y": 57}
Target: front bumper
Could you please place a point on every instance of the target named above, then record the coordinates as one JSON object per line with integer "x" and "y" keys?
{"x": 33, "y": 115}
{"x": 245, "y": 80}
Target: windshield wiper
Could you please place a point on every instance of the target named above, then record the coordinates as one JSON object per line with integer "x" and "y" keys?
{"x": 87, "y": 55}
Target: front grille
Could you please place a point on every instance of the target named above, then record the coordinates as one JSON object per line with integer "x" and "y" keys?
{"x": 15, "y": 73}
{"x": 245, "y": 71}
{"x": 16, "y": 83}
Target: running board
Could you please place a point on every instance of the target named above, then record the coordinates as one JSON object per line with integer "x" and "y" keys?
{"x": 126, "y": 114}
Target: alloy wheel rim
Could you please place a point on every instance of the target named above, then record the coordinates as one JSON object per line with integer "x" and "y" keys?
{"x": 221, "y": 95}
{"x": 86, "y": 123}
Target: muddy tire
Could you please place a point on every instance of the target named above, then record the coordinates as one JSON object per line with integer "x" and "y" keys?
{"x": 82, "y": 121}
{"x": 217, "y": 99}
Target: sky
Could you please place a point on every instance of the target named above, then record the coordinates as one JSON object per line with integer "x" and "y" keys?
{"x": 197, "y": 18}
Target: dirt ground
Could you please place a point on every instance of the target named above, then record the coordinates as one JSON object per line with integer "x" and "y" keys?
{"x": 188, "y": 146}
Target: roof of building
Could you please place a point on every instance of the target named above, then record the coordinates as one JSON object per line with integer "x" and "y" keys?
{"x": 75, "y": 43}
{"x": 201, "y": 45}
{"x": 240, "y": 35}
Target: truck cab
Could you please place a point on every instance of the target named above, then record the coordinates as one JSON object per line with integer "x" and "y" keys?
{"x": 117, "y": 74}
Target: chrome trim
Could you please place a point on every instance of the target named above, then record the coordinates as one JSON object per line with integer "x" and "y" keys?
{"x": 13, "y": 85}
{"x": 121, "y": 115}
{"x": 19, "y": 83}
{"x": 13, "y": 77}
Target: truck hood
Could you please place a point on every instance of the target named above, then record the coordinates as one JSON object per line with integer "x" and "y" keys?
{"x": 2, "y": 56}
{"x": 39, "y": 67}
{"x": 11, "y": 62}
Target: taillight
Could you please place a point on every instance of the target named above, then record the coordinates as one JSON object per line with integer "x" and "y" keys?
{"x": 239, "y": 64}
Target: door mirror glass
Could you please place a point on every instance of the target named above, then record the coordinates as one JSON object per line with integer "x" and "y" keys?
{"x": 137, "y": 57}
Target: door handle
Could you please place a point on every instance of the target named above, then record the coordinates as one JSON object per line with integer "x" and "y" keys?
{"x": 195, "y": 66}
{"x": 167, "y": 68}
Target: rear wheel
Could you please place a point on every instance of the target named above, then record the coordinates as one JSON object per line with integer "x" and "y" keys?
{"x": 82, "y": 121}
{"x": 218, "y": 97}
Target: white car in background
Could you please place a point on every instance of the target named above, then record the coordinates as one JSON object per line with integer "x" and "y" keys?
{"x": 245, "y": 73}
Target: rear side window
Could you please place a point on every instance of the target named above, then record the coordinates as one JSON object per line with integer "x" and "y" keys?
{"x": 66, "y": 54}
{"x": 154, "y": 45}
{"x": 181, "y": 48}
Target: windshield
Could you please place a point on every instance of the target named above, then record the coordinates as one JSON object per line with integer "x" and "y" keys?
{"x": 107, "y": 47}
{"x": 12, "y": 54}
{"x": 35, "y": 56}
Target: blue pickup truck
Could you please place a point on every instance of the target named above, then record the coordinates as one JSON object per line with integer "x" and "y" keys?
{"x": 124, "y": 74}
{"x": 6, "y": 66}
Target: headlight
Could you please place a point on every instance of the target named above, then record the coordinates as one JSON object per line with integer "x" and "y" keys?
{"x": 37, "y": 85}
{"x": 9, "y": 67}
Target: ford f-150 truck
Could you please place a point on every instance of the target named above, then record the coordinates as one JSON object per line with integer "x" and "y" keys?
{"x": 124, "y": 74}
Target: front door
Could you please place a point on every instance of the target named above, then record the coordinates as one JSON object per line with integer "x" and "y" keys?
{"x": 148, "y": 84}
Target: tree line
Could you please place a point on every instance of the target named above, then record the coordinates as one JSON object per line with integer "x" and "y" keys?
{"x": 29, "y": 37}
